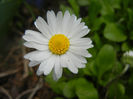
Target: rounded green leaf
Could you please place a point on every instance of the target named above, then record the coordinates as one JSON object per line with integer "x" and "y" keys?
{"x": 116, "y": 90}
{"x": 85, "y": 89}
{"x": 114, "y": 33}
{"x": 69, "y": 89}
{"x": 105, "y": 59}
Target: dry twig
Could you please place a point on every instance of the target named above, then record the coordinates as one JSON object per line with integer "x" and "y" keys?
{"x": 3, "y": 90}
{"x": 24, "y": 93}
{"x": 26, "y": 70}
{"x": 38, "y": 86}
{"x": 32, "y": 91}
{"x": 9, "y": 72}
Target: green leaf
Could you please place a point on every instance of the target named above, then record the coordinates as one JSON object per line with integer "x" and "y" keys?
{"x": 131, "y": 35}
{"x": 130, "y": 18}
{"x": 125, "y": 46}
{"x": 116, "y": 91}
{"x": 97, "y": 40}
{"x": 105, "y": 59}
{"x": 56, "y": 86}
{"x": 93, "y": 11}
{"x": 85, "y": 89}
{"x": 106, "y": 8}
{"x": 75, "y": 6}
{"x": 90, "y": 69}
{"x": 64, "y": 8}
{"x": 69, "y": 89}
{"x": 8, "y": 12}
{"x": 59, "y": 98}
{"x": 83, "y": 2}
{"x": 114, "y": 33}
{"x": 113, "y": 3}
{"x": 8, "y": 9}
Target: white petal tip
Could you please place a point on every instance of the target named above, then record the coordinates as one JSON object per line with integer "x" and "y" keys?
{"x": 88, "y": 56}
{"x": 39, "y": 72}
{"x": 55, "y": 77}
{"x": 25, "y": 56}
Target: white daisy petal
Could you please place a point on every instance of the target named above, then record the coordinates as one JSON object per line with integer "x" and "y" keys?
{"x": 71, "y": 24}
{"x": 82, "y": 33}
{"x": 37, "y": 55}
{"x": 71, "y": 66}
{"x": 51, "y": 19}
{"x": 33, "y": 63}
{"x": 42, "y": 26}
{"x": 39, "y": 72}
{"x": 80, "y": 52}
{"x": 77, "y": 29}
{"x": 36, "y": 45}
{"x": 78, "y": 63}
{"x": 34, "y": 36}
{"x": 65, "y": 23}
{"x": 54, "y": 76}
{"x": 83, "y": 60}
{"x": 47, "y": 68}
{"x": 57, "y": 69}
{"x": 63, "y": 59}
{"x": 81, "y": 41}
{"x": 74, "y": 27}
{"x": 59, "y": 22}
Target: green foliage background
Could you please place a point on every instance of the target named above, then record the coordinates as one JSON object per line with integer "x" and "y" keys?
{"x": 106, "y": 75}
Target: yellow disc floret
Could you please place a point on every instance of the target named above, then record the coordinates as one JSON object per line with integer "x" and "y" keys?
{"x": 58, "y": 44}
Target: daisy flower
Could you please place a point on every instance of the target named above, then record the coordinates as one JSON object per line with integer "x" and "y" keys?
{"x": 59, "y": 44}
{"x": 128, "y": 57}
{"x": 129, "y": 53}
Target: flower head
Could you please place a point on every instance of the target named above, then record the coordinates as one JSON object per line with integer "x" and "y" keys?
{"x": 128, "y": 57}
{"x": 129, "y": 53}
{"x": 59, "y": 44}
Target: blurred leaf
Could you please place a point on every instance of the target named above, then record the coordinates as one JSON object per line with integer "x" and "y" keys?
{"x": 114, "y": 33}
{"x": 90, "y": 69}
{"x": 130, "y": 18}
{"x": 113, "y": 3}
{"x": 105, "y": 59}
{"x": 59, "y": 98}
{"x": 97, "y": 40}
{"x": 64, "y": 8}
{"x": 116, "y": 91}
{"x": 7, "y": 11}
{"x": 125, "y": 46}
{"x": 97, "y": 23}
{"x": 69, "y": 89}
{"x": 129, "y": 87}
{"x": 85, "y": 89}
{"x": 75, "y": 6}
{"x": 83, "y": 2}
{"x": 93, "y": 11}
{"x": 56, "y": 86}
{"x": 131, "y": 35}
{"x": 106, "y": 8}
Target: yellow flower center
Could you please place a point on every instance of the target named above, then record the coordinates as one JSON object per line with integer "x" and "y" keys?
{"x": 58, "y": 44}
